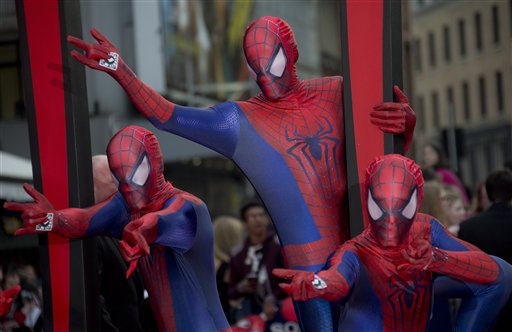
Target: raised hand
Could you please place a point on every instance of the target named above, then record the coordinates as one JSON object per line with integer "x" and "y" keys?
{"x": 137, "y": 236}
{"x": 419, "y": 252}
{"x": 100, "y": 56}
{"x": 395, "y": 117}
{"x": 6, "y": 299}
{"x": 38, "y": 216}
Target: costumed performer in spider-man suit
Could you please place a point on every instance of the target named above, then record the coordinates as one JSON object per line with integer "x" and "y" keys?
{"x": 384, "y": 276}
{"x": 6, "y": 299}
{"x": 166, "y": 230}
{"x": 288, "y": 140}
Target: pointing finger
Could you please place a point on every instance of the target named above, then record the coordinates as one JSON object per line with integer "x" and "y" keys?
{"x": 36, "y": 195}
{"x": 284, "y": 273}
{"x": 78, "y": 43}
{"x": 15, "y": 206}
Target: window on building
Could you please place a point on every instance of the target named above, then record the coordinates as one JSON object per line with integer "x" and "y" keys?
{"x": 431, "y": 49}
{"x": 483, "y": 96}
{"x": 435, "y": 110}
{"x": 419, "y": 109}
{"x": 462, "y": 37}
{"x": 450, "y": 102}
{"x": 495, "y": 25}
{"x": 447, "y": 44}
{"x": 465, "y": 101}
{"x": 499, "y": 91}
{"x": 478, "y": 31}
{"x": 417, "y": 55}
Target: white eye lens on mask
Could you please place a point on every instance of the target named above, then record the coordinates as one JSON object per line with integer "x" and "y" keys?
{"x": 279, "y": 64}
{"x": 142, "y": 173}
{"x": 410, "y": 209}
{"x": 373, "y": 209}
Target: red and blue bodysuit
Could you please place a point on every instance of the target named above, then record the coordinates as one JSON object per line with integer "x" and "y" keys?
{"x": 384, "y": 277}
{"x": 288, "y": 140}
{"x": 164, "y": 230}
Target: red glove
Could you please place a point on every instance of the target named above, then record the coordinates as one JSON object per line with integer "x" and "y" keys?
{"x": 137, "y": 236}
{"x": 419, "y": 252}
{"x": 101, "y": 56}
{"x": 472, "y": 265}
{"x": 6, "y": 299}
{"x": 306, "y": 285}
{"x": 40, "y": 217}
{"x": 395, "y": 117}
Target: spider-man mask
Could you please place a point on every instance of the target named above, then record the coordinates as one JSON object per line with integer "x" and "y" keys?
{"x": 271, "y": 53}
{"x": 394, "y": 185}
{"x": 136, "y": 161}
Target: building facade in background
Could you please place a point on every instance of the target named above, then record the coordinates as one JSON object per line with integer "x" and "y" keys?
{"x": 461, "y": 69}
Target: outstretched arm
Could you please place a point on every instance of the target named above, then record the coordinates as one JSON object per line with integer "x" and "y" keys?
{"x": 332, "y": 284}
{"x": 216, "y": 127}
{"x": 395, "y": 117}
{"x": 105, "y": 218}
{"x": 432, "y": 248}
{"x": 174, "y": 226}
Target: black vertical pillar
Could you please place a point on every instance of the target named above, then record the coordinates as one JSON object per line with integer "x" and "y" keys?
{"x": 368, "y": 29}
{"x": 55, "y": 96}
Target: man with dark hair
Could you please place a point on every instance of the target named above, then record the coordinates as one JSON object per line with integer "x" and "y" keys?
{"x": 251, "y": 265}
{"x": 491, "y": 230}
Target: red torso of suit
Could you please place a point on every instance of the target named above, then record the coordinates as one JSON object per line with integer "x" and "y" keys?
{"x": 306, "y": 128}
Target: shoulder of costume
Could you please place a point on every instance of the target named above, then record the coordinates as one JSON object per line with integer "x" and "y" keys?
{"x": 421, "y": 217}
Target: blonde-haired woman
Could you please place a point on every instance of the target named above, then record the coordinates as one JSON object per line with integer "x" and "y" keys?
{"x": 454, "y": 209}
{"x": 432, "y": 203}
{"x": 228, "y": 233}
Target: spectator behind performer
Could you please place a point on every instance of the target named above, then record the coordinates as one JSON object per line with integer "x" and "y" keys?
{"x": 228, "y": 233}
{"x": 433, "y": 157}
{"x": 121, "y": 298}
{"x": 432, "y": 200}
{"x": 481, "y": 200}
{"x": 454, "y": 210}
{"x": 491, "y": 230}
{"x": 104, "y": 182}
{"x": 251, "y": 278}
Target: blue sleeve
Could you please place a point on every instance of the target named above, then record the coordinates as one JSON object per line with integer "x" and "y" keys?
{"x": 178, "y": 229}
{"x": 110, "y": 219}
{"x": 349, "y": 267}
{"x": 217, "y": 127}
{"x": 443, "y": 240}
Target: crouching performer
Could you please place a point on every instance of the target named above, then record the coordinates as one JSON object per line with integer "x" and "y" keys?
{"x": 384, "y": 277}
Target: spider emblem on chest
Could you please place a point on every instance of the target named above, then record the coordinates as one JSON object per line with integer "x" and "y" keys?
{"x": 317, "y": 150}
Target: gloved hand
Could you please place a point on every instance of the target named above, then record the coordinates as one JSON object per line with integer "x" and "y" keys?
{"x": 395, "y": 117}
{"x": 306, "y": 285}
{"x": 419, "y": 251}
{"x": 137, "y": 236}
{"x": 40, "y": 217}
{"x": 100, "y": 56}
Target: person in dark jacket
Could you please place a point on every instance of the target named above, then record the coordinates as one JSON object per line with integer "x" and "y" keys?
{"x": 251, "y": 266}
{"x": 491, "y": 230}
